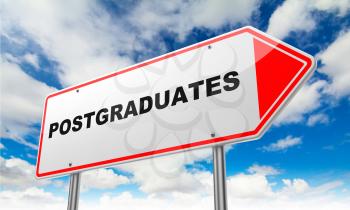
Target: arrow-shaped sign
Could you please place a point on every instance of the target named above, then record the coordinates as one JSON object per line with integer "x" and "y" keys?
{"x": 223, "y": 90}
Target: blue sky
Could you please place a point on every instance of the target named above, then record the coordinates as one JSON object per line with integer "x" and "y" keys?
{"x": 301, "y": 162}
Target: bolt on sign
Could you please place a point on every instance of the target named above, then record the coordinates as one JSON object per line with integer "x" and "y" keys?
{"x": 223, "y": 90}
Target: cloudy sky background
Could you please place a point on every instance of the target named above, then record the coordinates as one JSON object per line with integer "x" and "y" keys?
{"x": 302, "y": 162}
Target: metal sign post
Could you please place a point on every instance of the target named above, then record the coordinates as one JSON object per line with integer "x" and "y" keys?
{"x": 74, "y": 188}
{"x": 220, "y": 198}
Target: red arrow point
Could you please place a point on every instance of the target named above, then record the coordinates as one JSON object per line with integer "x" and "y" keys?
{"x": 268, "y": 61}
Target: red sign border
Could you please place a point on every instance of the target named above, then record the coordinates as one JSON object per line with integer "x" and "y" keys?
{"x": 254, "y": 134}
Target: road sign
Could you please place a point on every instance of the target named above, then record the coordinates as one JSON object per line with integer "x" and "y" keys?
{"x": 222, "y": 90}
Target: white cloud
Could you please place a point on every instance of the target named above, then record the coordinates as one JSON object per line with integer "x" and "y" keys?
{"x": 326, "y": 187}
{"x": 80, "y": 36}
{"x": 22, "y": 102}
{"x": 290, "y": 16}
{"x": 179, "y": 201}
{"x": 10, "y": 58}
{"x": 306, "y": 100}
{"x": 336, "y": 66}
{"x": 18, "y": 173}
{"x": 88, "y": 42}
{"x": 212, "y": 13}
{"x": 101, "y": 179}
{"x": 338, "y": 6}
{"x": 283, "y": 144}
{"x": 202, "y": 203}
{"x": 164, "y": 174}
{"x": 168, "y": 173}
{"x": 30, "y": 199}
{"x": 295, "y": 186}
{"x": 263, "y": 170}
{"x": 245, "y": 191}
{"x": 180, "y": 16}
{"x": 295, "y": 15}
{"x": 317, "y": 119}
{"x": 249, "y": 186}
{"x": 32, "y": 59}
{"x": 299, "y": 188}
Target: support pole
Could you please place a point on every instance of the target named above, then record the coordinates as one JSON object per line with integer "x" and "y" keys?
{"x": 220, "y": 200}
{"x": 74, "y": 186}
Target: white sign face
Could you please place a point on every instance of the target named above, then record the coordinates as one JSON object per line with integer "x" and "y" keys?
{"x": 222, "y": 90}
